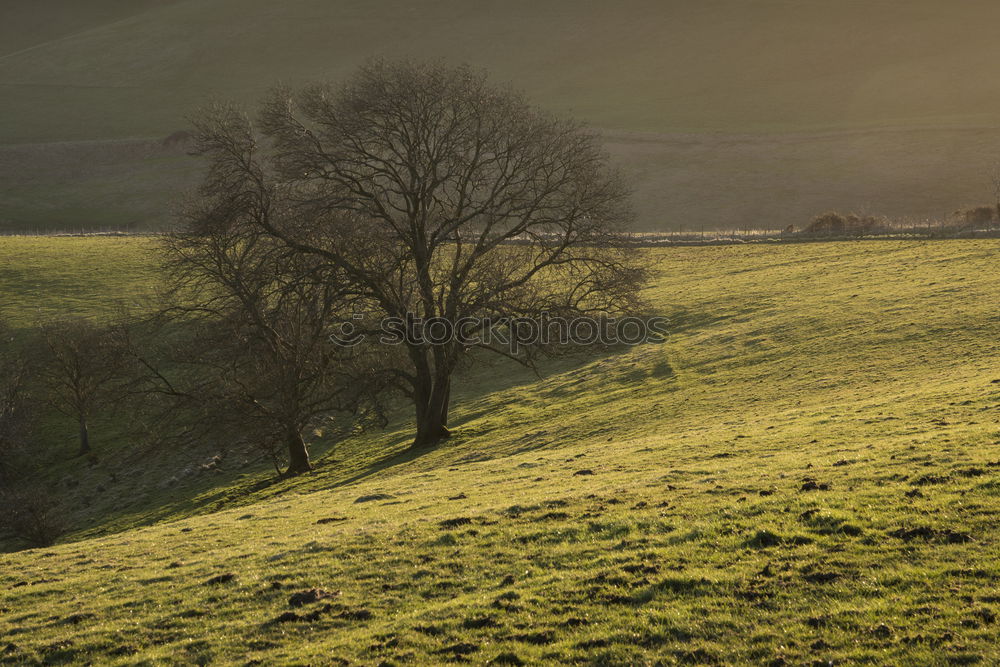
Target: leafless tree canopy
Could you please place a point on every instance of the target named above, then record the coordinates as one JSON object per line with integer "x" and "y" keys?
{"x": 80, "y": 368}
{"x": 431, "y": 192}
{"x": 257, "y": 319}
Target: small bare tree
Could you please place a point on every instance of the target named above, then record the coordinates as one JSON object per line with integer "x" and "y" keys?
{"x": 26, "y": 512}
{"x": 80, "y": 369}
{"x": 259, "y": 319}
{"x": 14, "y": 406}
{"x": 437, "y": 195}
{"x": 30, "y": 514}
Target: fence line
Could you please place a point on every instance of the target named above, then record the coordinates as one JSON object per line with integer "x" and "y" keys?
{"x": 884, "y": 231}
{"x": 701, "y": 236}
{"x": 81, "y": 231}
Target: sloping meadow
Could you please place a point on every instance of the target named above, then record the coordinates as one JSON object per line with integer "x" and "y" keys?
{"x": 805, "y": 471}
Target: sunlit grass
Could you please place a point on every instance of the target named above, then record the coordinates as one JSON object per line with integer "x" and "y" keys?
{"x": 807, "y": 470}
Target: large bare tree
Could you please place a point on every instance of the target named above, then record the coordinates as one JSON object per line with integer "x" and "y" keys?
{"x": 439, "y": 196}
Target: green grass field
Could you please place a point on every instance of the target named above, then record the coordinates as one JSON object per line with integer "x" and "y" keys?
{"x": 780, "y": 109}
{"x": 806, "y": 471}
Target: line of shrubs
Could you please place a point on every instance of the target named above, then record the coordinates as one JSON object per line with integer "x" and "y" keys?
{"x": 851, "y": 224}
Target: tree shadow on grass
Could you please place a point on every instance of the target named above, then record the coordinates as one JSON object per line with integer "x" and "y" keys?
{"x": 337, "y": 468}
{"x": 498, "y": 375}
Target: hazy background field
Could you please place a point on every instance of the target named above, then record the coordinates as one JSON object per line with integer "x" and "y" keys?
{"x": 726, "y": 112}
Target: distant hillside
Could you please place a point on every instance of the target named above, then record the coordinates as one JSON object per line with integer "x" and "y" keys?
{"x": 682, "y": 180}
{"x": 135, "y": 70}
{"x": 650, "y": 65}
{"x": 27, "y": 25}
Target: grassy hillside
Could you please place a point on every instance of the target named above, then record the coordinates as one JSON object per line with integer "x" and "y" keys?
{"x": 726, "y": 80}
{"x": 681, "y": 181}
{"x": 807, "y": 470}
{"x": 93, "y": 185}
{"x": 44, "y": 278}
{"x": 639, "y": 65}
{"x": 29, "y": 25}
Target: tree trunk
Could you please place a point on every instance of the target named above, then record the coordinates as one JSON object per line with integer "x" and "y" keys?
{"x": 298, "y": 453}
{"x": 432, "y": 414}
{"x": 84, "y": 437}
{"x": 431, "y": 395}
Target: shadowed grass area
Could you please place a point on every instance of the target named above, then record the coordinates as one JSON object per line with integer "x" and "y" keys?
{"x": 807, "y": 470}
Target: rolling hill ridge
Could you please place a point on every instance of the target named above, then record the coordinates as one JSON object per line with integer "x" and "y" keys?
{"x": 681, "y": 75}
